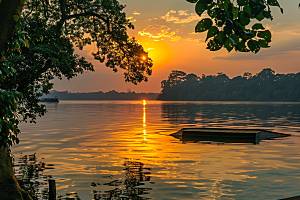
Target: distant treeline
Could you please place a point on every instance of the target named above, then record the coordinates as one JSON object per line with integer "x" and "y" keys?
{"x": 111, "y": 95}
{"x": 263, "y": 86}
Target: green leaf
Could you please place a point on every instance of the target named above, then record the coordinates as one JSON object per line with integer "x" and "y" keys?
{"x": 257, "y": 8}
{"x": 212, "y": 32}
{"x": 221, "y": 37}
{"x": 212, "y": 13}
{"x": 221, "y": 14}
{"x": 192, "y": 1}
{"x": 203, "y": 25}
{"x": 267, "y": 14}
{"x": 263, "y": 43}
{"x": 247, "y": 10}
{"x": 214, "y": 45}
{"x": 260, "y": 16}
{"x": 16, "y": 17}
{"x": 243, "y": 2}
{"x": 229, "y": 44}
{"x": 265, "y": 34}
{"x": 200, "y": 8}
{"x": 234, "y": 38}
{"x": 203, "y": 5}
{"x": 224, "y": 5}
{"x": 253, "y": 46}
{"x": 258, "y": 26}
{"x": 235, "y": 12}
{"x": 10, "y": 99}
{"x": 228, "y": 30}
{"x": 244, "y": 19}
{"x": 248, "y": 34}
{"x": 241, "y": 47}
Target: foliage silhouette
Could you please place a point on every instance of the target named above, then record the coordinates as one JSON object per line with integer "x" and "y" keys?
{"x": 264, "y": 86}
{"x": 39, "y": 46}
{"x": 227, "y": 23}
{"x": 111, "y": 95}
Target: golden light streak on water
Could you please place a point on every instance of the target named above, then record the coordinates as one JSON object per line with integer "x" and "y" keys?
{"x": 144, "y": 113}
{"x": 144, "y": 119}
{"x": 99, "y": 144}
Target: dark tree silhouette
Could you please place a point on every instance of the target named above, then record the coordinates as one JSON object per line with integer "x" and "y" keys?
{"x": 264, "y": 86}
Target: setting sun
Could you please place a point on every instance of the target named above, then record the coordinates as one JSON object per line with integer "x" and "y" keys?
{"x": 158, "y": 51}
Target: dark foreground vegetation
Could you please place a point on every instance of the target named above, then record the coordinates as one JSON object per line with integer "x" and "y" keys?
{"x": 37, "y": 44}
{"x": 263, "y": 86}
{"x": 111, "y": 95}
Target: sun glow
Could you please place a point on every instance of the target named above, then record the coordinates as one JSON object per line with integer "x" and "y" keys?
{"x": 158, "y": 51}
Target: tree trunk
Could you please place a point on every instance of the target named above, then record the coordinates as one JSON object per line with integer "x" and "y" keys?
{"x": 9, "y": 186}
{"x": 8, "y": 8}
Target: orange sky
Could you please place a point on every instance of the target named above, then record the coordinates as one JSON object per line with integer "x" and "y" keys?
{"x": 166, "y": 30}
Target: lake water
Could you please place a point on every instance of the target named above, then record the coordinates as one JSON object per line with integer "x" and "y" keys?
{"x": 124, "y": 148}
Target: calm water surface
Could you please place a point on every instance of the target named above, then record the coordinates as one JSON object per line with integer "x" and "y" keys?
{"x": 115, "y": 148}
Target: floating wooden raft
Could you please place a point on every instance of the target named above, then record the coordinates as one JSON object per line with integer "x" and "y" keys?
{"x": 226, "y": 135}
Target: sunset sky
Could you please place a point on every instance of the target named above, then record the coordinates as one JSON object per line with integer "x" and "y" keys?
{"x": 166, "y": 30}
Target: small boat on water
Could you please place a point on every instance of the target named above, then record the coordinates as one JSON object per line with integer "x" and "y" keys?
{"x": 49, "y": 99}
{"x": 226, "y": 135}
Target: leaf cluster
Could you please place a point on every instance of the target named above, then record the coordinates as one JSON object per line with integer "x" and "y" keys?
{"x": 227, "y": 23}
{"x": 9, "y": 102}
{"x": 101, "y": 23}
{"x": 42, "y": 48}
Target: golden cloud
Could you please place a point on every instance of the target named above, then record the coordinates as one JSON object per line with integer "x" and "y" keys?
{"x": 152, "y": 19}
{"x": 136, "y": 13}
{"x": 180, "y": 17}
{"x": 159, "y": 32}
{"x": 131, "y": 19}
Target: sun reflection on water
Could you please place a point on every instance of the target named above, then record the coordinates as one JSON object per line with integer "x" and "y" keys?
{"x": 144, "y": 119}
{"x": 116, "y": 142}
